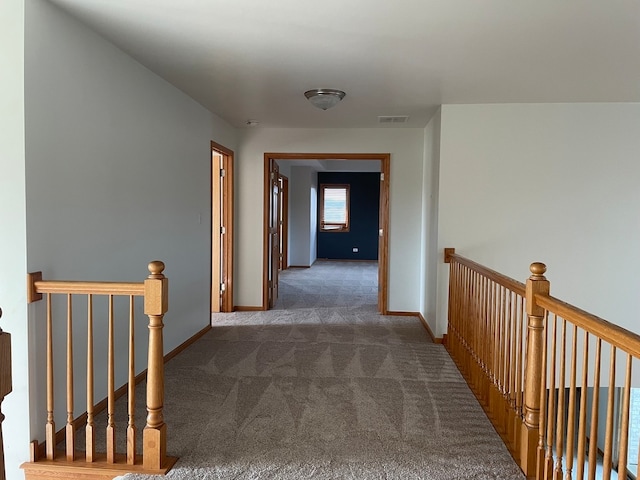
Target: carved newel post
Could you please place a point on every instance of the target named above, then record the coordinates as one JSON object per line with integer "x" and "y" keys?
{"x": 155, "y": 306}
{"x": 5, "y": 385}
{"x": 536, "y": 284}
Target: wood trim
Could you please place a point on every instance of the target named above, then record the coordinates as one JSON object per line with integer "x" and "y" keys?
{"x": 383, "y": 252}
{"x": 217, "y": 164}
{"x": 32, "y": 293}
{"x": 299, "y": 266}
{"x": 221, "y": 148}
{"x": 265, "y": 231}
{"x": 38, "y": 449}
{"x": 227, "y": 163}
{"x": 434, "y": 339}
{"x": 228, "y": 193}
{"x": 247, "y": 308}
{"x": 448, "y": 252}
{"x": 97, "y": 470}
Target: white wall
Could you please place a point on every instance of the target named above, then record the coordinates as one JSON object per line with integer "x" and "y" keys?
{"x": 556, "y": 183}
{"x": 285, "y": 170}
{"x": 313, "y": 217}
{"x": 407, "y": 154}
{"x": 429, "y": 241}
{"x": 13, "y": 244}
{"x": 300, "y": 226}
{"x": 118, "y": 174}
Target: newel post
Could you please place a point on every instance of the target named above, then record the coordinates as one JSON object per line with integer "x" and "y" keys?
{"x": 155, "y": 306}
{"x": 536, "y": 284}
{"x": 5, "y": 385}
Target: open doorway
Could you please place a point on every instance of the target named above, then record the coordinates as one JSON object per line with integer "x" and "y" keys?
{"x": 221, "y": 229}
{"x": 271, "y": 247}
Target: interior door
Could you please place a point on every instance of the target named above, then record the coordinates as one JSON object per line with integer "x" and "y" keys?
{"x": 274, "y": 232}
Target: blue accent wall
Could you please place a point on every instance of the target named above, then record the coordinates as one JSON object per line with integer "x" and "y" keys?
{"x": 365, "y": 207}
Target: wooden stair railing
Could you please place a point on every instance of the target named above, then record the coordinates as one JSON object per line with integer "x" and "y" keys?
{"x": 536, "y": 365}
{"x": 5, "y": 386}
{"x": 49, "y": 462}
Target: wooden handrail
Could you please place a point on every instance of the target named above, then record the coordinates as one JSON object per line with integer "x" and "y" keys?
{"x": 617, "y": 336}
{"x": 499, "y": 278}
{"x": 73, "y": 287}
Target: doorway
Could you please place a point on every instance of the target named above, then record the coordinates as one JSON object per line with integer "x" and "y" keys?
{"x": 271, "y": 214}
{"x": 221, "y": 229}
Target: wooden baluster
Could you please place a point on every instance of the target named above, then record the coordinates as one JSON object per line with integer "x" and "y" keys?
{"x": 582, "y": 422}
{"x": 571, "y": 418}
{"x": 536, "y": 284}
{"x": 111, "y": 398}
{"x": 5, "y": 386}
{"x": 508, "y": 389}
{"x": 551, "y": 403}
{"x": 477, "y": 337}
{"x": 494, "y": 349}
{"x": 155, "y": 306}
{"x": 50, "y": 428}
{"x": 593, "y": 435}
{"x": 90, "y": 435}
{"x": 70, "y": 431}
{"x": 511, "y": 339}
{"x": 131, "y": 427}
{"x": 542, "y": 444}
{"x": 518, "y": 375}
{"x": 500, "y": 372}
{"x": 486, "y": 344}
{"x": 519, "y": 357}
{"x": 560, "y": 420}
{"x": 607, "y": 463}
{"x": 624, "y": 425}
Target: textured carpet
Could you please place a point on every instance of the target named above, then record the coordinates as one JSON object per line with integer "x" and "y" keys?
{"x": 311, "y": 390}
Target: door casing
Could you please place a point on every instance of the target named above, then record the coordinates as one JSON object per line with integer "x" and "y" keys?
{"x": 383, "y": 240}
{"x": 224, "y": 241}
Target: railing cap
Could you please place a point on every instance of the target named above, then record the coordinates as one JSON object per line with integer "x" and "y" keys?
{"x": 156, "y": 268}
{"x": 538, "y": 269}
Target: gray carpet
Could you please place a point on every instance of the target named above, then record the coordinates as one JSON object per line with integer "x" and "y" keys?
{"x": 312, "y": 390}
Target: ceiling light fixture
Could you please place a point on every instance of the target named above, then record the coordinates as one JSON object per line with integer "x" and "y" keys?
{"x": 324, "y": 98}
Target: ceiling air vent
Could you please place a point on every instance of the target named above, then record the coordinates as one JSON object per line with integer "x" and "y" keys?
{"x": 389, "y": 119}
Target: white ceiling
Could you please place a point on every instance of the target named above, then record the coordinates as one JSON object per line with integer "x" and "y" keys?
{"x": 253, "y": 59}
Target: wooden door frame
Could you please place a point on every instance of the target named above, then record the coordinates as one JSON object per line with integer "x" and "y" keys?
{"x": 227, "y": 193}
{"x": 383, "y": 255}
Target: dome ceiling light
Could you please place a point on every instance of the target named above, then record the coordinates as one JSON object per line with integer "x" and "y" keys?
{"x": 324, "y": 98}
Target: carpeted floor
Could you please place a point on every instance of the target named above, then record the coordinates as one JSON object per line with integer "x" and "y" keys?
{"x": 324, "y": 387}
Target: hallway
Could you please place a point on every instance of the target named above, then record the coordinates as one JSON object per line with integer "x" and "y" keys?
{"x": 324, "y": 387}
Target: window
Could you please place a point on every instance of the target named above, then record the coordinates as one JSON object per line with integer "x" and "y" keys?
{"x": 334, "y": 208}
